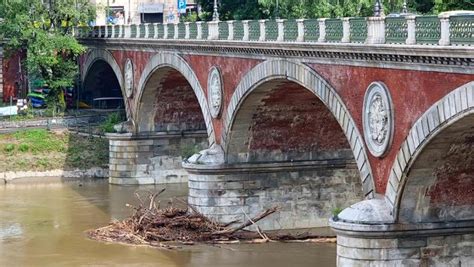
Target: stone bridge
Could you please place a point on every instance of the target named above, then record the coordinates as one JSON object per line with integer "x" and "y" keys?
{"x": 371, "y": 115}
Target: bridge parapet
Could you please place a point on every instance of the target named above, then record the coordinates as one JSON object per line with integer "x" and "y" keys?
{"x": 420, "y": 30}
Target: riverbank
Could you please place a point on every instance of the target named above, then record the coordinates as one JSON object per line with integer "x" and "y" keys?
{"x": 57, "y": 153}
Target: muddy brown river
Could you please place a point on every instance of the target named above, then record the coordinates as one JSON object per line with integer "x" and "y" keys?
{"x": 44, "y": 224}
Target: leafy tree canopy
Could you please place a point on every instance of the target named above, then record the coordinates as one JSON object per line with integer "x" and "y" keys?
{"x": 42, "y": 29}
{"x": 256, "y": 9}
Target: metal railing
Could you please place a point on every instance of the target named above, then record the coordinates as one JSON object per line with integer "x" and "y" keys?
{"x": 421, "y": 30}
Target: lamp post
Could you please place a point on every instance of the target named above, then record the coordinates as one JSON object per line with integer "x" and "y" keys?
{"x": 215, "y": 14}
{"x": 405, "y": 9}
{"x": 378, "y": 10}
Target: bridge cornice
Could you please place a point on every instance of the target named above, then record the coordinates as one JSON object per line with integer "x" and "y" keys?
{"x": 453, "y": 59}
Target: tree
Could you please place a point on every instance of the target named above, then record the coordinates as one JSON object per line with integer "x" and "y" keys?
{"x": 232, "y": 9}
{"x": 42, "y": 29}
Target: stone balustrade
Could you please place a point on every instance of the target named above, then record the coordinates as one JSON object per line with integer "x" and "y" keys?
{"x": 410, "y": 30}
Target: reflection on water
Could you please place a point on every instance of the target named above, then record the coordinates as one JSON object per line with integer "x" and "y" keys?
{"x": 43, "y": 225}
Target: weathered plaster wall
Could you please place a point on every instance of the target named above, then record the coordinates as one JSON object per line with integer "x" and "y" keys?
{"x": 290, "y": 118}
{"x": 412, "y": 93}
{"x": 232, "y": 70}
{"x": 177, "y": 107}
{"x": 440, "y": 183}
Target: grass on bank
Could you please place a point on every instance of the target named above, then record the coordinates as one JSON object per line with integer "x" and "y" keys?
{"x": 41, "y": 150}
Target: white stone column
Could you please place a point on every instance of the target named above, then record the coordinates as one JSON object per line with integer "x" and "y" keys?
{"x": 186, "y": 30}
{"x": 376, "y": 30}
{"x": 346, "y": 30}
{"x": 444, "y": 21}
{"x": 99, "y": 31}
{"x": 300, "y": 23}
{"x": 114, "y": 27}
{"x": 281, "y": 30}
{"x": 262, "y": 30}
{"x": 146, "y": 30}
{"x": 230, "y": 24}
{"x": 213, "y": 27}
{"x": 155, "y": 27}
{"x": 245, "y": 24}
{"x": 199, "y": 30}
{"x": 176, "y": 31}
{"x": 411, "y": 38}
{"x": 120, "y": 33}
{"x": 165, "y": 30}
{"x": 137, "y": 34}
{"x": 322, "y": 30}
{"x": 106, "y": 31}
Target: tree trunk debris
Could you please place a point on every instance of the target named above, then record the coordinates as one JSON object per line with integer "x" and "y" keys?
{"x": 150, "y": 225}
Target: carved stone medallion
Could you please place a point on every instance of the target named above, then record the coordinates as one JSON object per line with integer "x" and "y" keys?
{"x": 128, "y": 79}
{"x": 214, "y": 92}
{"x": 378, "y": 119}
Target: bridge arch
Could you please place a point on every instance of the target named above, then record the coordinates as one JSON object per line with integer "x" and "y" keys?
{"x": 96, "y": 55}
{"x": 432, "y": 177}
{"x": 302, "y": 75}
{"x": 145, "y": 97}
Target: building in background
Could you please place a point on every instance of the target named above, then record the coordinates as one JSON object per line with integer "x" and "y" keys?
{"x": 139, "y": 11}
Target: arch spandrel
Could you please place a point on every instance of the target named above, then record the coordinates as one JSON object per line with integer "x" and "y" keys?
{"x": 309, "y": 79}
{"x": 162, "y": 61}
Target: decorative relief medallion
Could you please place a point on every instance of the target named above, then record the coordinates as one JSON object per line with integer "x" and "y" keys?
{"x": 378, "y": 119}
{"x": 214, "y": 92}
{"x": 128, "y": 79}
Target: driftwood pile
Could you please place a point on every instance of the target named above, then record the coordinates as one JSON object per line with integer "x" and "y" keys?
{"x": 160, "y": 227}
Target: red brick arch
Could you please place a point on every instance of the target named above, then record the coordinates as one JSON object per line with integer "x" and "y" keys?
{"x": 455, "y": 110}
{"x": 309, "y": 79}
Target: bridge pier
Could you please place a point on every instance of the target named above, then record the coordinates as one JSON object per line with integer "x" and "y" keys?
{"x": 153, "y": 158}
{"x": 367, "y": 236}
{"x": 306, "y": 191}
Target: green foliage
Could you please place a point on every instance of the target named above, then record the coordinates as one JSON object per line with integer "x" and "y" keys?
{"x": 336, "y": 211}
{"x": 40, "y": 140}
{"x": 112, "y": 119}
{"x": 9, "y": 148}
{"x": 23, "y": 147}
{"x": 257, "y": 9}
{"x": 189, "y": 150}
{"x": 190, "y": 17}
{"x": 38, "y": 149}
{"x": 43, "y": 32}
{"x": 233, "y": 9}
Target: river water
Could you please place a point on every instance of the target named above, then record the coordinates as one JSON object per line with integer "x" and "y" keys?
{"x": 44, "y": 224}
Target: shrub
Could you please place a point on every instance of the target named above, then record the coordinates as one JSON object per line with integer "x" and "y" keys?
{"x": 112, "y": 119}
{"x": 189, "y": 150}
{"x": 9, "y": 147}
{"x": 23, "y": 147}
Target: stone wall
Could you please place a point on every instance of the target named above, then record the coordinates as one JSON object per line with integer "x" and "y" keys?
{"x": 151, "y": 159}
{"x": 307, "y": 191}
{"x": 412, "y": 250}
